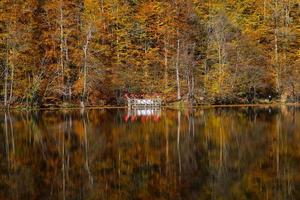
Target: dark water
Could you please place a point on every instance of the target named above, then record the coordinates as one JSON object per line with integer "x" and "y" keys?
{"x": 217, "y": 153}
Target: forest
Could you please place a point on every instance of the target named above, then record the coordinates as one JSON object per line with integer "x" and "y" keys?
{"x": 63, "y": 52}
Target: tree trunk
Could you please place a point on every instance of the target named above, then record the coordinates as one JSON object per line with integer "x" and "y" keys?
{"x": 62, "y": 48}
{"x": 166, "y": 62}
{"x": 276, "y": 61}
{"x": 220, "y": 64}
{"x": 11, "y": 84}
{"x": 5, "y": 84}
{"x": 235, "y": 68}
{"x": 192, "y": 92}
{"x": 188, "y": 76}
{"x": 286, "y": 33}
{"x": 177, "y": 71}
{"x": 85, "y": 68}
{"x": 276, "y": 31}
{"x": 192, "y": 78}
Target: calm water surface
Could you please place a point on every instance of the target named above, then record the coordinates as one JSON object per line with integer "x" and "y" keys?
{"x": 217, "y": 153}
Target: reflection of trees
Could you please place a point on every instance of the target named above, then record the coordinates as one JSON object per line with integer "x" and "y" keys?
{"x": 86, "y": 147}
{"x": 178, "y": 141}
{"x": 259, "y": 157}
{"x": 214, "y": 153}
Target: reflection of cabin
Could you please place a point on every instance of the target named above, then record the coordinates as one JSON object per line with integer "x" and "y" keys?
{"x": 144, "y": 115}
{"x": 143, "y": 103}
{"x": 144, "y": 112}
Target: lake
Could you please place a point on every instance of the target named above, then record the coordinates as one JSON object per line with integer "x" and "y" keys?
{"x": 212, "y": 153}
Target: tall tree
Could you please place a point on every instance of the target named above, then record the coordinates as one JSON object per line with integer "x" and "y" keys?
{"x": 91, "y": 19}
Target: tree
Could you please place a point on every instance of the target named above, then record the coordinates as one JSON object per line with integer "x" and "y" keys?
{"x": 17, "y": 27}
{"x": 90, "y": 16}
{"x": 206, "y": 51}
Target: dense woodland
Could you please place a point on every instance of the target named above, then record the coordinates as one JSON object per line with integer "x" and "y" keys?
{"x": 62, "y": 52}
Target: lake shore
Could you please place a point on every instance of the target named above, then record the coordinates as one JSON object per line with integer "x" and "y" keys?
{"x": 182, "y": 107}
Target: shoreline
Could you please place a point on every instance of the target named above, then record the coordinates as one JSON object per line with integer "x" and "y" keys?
{"x": 206, "y": 106}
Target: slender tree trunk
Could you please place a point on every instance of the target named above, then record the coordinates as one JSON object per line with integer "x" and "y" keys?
{"x": 278, "y": 71}
{"x": 62, "y": 49}
{"x": 177, "y": 71}
{"x": 118, "y": 53}
{"x": 276, "y": 35}
{"x": 103, "y": 19}
{"x": 66, "y": 50}
{"x": 220, "y": 64}
{"x": 286, "y": 32}
{"x": 5, "y": 84}
{"x": 166, "y": 61}
{"x": 12, "y": 66}
{"x": 11, "y": 83}
{"x": 70, "y": 92}
{"x": 235, "y": 68}
{"x": 276, "y": 61}
{"x": 117, "y": 40}
{"x": 205, "y": 75}
{"x": 85, "y": 68}
{"x": 192, "y": 85}
{"x": 192, "y": 78}
{"x": 189, "y": 82}
{"x": 28, "y": 91}
{"x": 68, "y": 88}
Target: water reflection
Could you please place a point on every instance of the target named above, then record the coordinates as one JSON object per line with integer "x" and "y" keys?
{"x": 221, "y": 153}
{"x": 144, "y": 114}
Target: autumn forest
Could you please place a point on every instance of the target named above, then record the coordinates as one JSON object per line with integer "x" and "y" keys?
{"x": 63, "y": 52}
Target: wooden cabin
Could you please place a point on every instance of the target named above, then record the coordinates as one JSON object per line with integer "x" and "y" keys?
{"x": 143, "y": 102}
